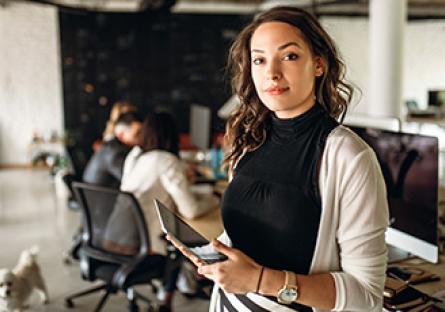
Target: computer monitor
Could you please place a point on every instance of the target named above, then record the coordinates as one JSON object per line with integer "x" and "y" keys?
{"x": 409, "y": 165}
{"x": 436, "y": 98}
{"x": 200, "y": 117}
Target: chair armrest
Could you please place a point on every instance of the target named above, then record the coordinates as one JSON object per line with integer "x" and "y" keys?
{"x": 140, "y": 264}
{"x": 105, "y": 256}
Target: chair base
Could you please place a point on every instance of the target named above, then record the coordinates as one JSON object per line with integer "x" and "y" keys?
{"x": 132, "y": 297}
{"x": 69, "y": 300}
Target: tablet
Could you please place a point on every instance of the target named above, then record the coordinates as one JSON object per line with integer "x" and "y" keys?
{"x": 173, "y": 225}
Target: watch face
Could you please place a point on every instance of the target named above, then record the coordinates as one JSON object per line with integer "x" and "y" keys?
{"x": 287, "y": 295}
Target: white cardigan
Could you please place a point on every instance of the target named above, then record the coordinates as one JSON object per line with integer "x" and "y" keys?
{"x": 351, "y": 237}
{"x": 160, "y": 174}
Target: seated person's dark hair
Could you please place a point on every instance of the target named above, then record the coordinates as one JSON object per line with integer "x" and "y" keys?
{"x": 128, "y": 118}
{"x": 159, "y": 131}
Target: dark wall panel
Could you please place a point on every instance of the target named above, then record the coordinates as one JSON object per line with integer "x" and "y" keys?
{"x": 156, "y": 60}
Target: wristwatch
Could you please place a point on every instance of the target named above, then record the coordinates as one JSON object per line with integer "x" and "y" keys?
{"x": 289, "y": 293}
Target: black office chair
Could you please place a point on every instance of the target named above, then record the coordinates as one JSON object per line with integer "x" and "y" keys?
{"x": 77, "y": 161}
{"x": 117, "y": 271}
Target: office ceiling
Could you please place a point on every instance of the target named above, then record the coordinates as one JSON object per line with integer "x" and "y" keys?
{"x": 417, "y": 9}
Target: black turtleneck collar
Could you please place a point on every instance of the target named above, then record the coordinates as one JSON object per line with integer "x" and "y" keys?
{"x": 285, "y": 130}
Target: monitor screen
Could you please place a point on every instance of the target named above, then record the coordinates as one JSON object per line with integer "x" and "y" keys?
{"x": 409, "y": 165}
{"x": 200, "y": 117}
{"x": 436, "y": 98}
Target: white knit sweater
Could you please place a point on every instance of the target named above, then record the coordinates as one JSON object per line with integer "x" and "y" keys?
{"x": 160, "y": 174}
{"x": 351, "y": 237}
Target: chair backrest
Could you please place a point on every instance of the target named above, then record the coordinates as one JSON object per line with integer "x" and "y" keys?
{"x": 77, "y": 160}
{"x": 111, "y": 215}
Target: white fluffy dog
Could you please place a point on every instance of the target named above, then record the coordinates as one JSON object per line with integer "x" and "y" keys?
{"x": 17, "y": 285}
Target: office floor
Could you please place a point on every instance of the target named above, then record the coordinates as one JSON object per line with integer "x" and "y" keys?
{"x": 31, "y": 214}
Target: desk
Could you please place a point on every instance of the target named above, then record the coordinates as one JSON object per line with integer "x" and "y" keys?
{"x": 439, "y": 269}
{"x": 429, "y": 288}
{"x": 209, "y": 225}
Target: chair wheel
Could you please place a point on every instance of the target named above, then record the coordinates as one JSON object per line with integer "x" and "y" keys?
{"x": 69, "y": 303}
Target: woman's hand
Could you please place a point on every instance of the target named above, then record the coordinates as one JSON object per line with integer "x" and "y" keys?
{"x": 196, "y": 261}
{"x": 238, "y": 274}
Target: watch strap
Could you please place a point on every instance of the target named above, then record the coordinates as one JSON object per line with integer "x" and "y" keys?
{"x": 290, "y": 282}
{"x": 291, "y": 279}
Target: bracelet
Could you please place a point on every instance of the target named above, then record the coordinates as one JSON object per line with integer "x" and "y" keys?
{"x": 259, "y": 280}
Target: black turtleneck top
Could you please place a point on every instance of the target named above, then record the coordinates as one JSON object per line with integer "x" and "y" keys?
{"x": 271, "y": 209}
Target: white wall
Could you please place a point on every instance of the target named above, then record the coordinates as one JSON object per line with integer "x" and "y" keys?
{"x": 424, "y": 56}
{"x": 351, "y": 37}
{"x": 30, "y": 78}
{"x": 424, "y": 60}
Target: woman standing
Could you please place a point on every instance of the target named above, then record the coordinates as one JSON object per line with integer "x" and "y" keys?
{"x": 305, "y": 213}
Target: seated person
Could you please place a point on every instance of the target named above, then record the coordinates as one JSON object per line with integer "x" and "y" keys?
{"x": 153, "y": 170}
{"x": 105, "y": 166}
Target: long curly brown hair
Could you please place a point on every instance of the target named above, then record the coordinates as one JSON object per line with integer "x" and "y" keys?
{"x": 247, "y": 127}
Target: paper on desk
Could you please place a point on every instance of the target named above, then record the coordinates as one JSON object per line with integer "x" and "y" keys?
{"x": 202, "y": 189}
{"x": 440, "y": 295}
